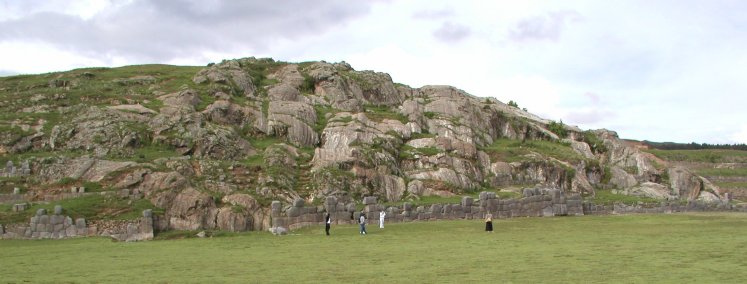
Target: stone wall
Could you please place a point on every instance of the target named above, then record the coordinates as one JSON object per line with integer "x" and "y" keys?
{"x": 11, "y": 170}
{"x": 536, "y": 202}
{"x": 692, "y": 206}
{"x": 17, "y": 196}
{"x": 57, "y": 226}
{"x": 8, "y": 198}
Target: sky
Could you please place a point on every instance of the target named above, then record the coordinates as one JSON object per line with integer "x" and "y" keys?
{"x": 664, "y": 70}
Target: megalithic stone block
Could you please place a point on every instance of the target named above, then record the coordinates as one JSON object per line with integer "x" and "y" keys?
{"x": 467, "y": 201}
{"x": 369, "y": 200}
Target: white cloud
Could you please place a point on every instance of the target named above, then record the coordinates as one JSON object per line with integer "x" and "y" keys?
{"x": 451, "y": 32}
{"x": 741, "y": 135}
{"x": 662, "y": 71}
{"x": 39, "y": 57}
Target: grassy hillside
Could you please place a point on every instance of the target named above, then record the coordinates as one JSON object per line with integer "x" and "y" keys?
{"x": 701, "y": 156}
{"x": 642, "y": 248}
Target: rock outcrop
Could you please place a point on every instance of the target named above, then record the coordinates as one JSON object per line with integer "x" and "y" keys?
{"x": 212, "y": 147}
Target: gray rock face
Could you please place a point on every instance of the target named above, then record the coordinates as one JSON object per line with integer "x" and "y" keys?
{"x": 622, "y": 179}
{"x": 189, "y": 210}
{"x": 581, "y": 148}
{"x": 225, "y": 112}
{"x": 467, "y": 201}
{"x": 289, "y": 75}
{"x": 685, "y": 184}
{"x": 228, "y": 220}
{"x": 653, "y": 190}
{"x": 292, "y": 120}
{"x": 227, "y": 73}
{"x": 368, "y": 136}
{"x": 625, "y": 156}
{"x": 369, "y": 200}
{"x": 377, "y": 88}
{"x": 284, "y": 92}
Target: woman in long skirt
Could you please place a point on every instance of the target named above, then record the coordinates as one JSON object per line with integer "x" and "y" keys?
{"x": 489, "y": 222}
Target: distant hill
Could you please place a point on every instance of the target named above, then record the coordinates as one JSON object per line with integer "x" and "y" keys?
{"x": 692, "y": 146}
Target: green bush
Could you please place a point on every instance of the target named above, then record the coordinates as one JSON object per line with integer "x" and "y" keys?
{"x": 596, "y": 144}
{"x": 606, "y": 175}
{"x": 379, "y": 113}
{"x": 308, "y": 85}
{"x": 558, "y": 128}
{"x": 321, "y": 116}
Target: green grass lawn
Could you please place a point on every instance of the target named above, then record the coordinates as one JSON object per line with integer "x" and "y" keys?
{"x": 704, "y": 248}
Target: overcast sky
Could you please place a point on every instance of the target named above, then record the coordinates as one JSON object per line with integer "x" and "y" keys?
{"x": 650, "y": 70}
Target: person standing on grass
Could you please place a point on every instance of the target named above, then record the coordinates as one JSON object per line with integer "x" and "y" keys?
{"x": 327, "y": 223}
{"x": 362, "y": 222}
{"x": 382, "y": 214}
{"x": 489, "y": 222}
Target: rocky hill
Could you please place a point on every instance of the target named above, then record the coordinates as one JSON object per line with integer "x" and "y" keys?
{"x": 211, "y": 147}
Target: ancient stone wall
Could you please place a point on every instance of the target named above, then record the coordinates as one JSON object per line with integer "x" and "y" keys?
{"x": 693, "y": 206}
{"x": 11, "y": 170}
{"x": 57, "y": 226}
{"x": 8, "y": 198}
{"x": 17, "y": 196}
{"x": 536, "y": 202}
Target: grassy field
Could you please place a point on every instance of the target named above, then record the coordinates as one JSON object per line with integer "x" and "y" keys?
{"x": 703, "y": 156}
{"x": 631, "y": 249}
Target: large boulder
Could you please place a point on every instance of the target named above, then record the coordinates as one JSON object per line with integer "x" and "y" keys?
{"x": 446, "y": 175}
{"x": 624, "y": 155}
{"x": 684, "y": 184}
{"x": 652, "y": 190}
{"x": 393, "y": 186}
{"x": 341, "y": 92}
{"x": 185, "y": 99}
{"x": 289, "y": 75}
{"x": 232, "y": 221}
{"x": 622, "y": 179}
{"x": 85, "y": 168}
{"x": 292, "y": 119}
{"x": 229, "y": 74}
{"x": 225, "y": 112}
{"x": 189, "y": 210}
{"x": 284, "y": 92}
{"x": 418, "y": 188}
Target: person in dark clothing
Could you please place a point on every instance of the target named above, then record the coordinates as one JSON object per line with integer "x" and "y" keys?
{"x": 327, "y": 223}
{"x": 489, "y": 222}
